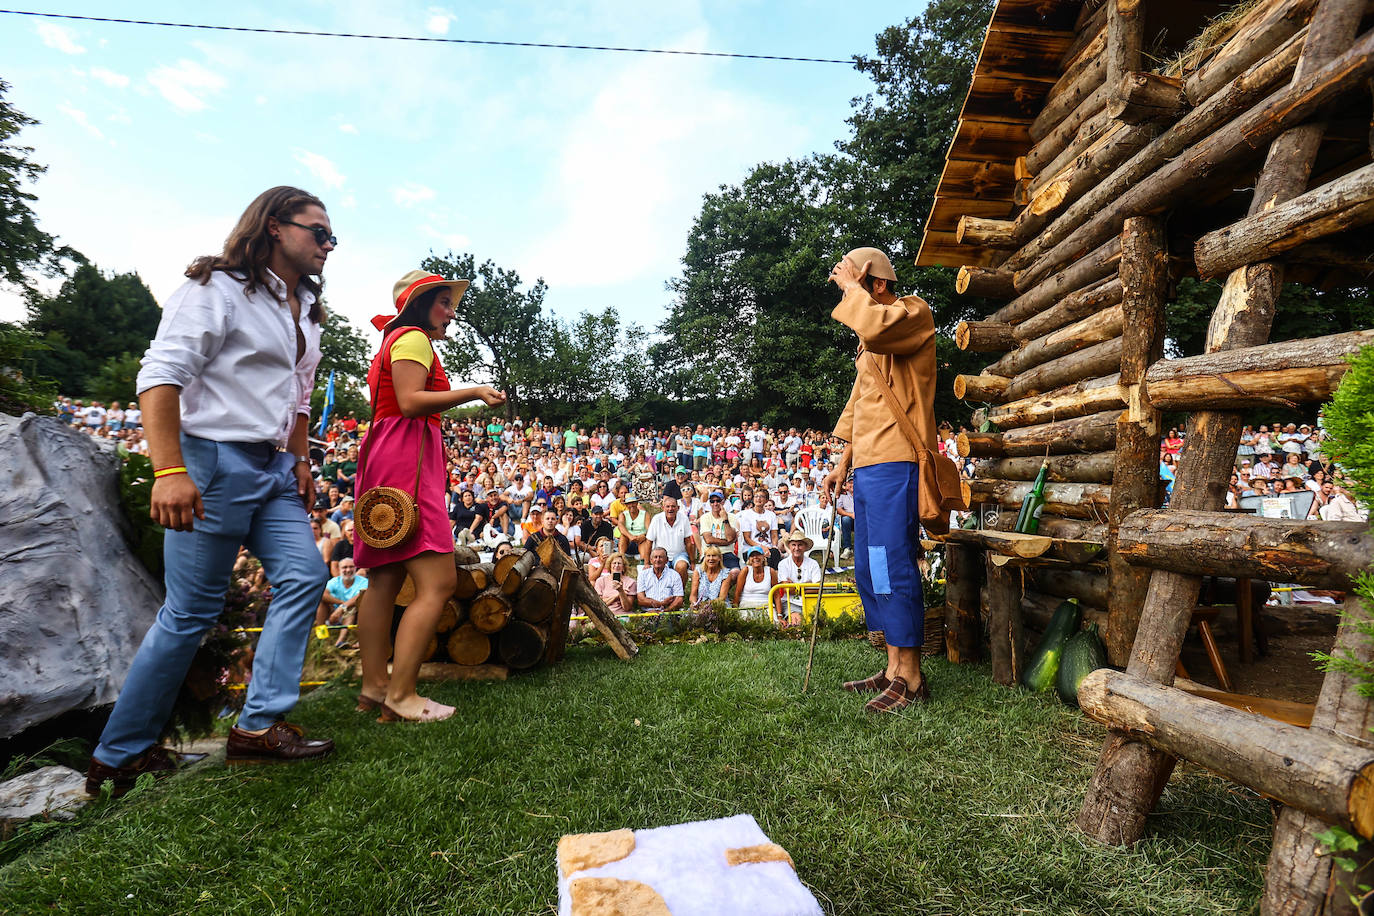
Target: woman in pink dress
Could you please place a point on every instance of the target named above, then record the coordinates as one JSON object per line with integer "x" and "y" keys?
{"x": 409, "y": 392}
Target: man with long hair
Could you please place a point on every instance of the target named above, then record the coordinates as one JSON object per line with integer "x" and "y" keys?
{"x": 225, "y": 389}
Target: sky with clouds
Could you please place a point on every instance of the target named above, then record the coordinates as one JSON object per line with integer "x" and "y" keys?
{"x": 584, "y": 168}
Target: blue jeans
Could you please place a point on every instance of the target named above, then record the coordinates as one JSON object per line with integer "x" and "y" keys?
{"x": 846, "y": 532}
{"x": 886, "y": 533}
{"x": 249, "y": 492}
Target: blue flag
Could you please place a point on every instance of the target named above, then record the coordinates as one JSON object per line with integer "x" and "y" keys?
{"x": 328, "y": 404}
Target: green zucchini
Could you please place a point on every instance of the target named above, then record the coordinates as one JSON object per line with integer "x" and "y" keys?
{"x": 1083, "y": 654}
{"x": 1044, "y": 664}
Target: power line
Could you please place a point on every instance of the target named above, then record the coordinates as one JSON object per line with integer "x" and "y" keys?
{"x": 435, "y": 39}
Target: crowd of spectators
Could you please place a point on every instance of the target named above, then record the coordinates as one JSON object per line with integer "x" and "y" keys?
{"x": 665, "y": 518}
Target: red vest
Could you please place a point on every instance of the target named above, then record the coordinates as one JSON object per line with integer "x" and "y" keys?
{"x": 384, "y": 402}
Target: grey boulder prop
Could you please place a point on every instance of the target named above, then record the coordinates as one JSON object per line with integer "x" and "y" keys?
{"x": 74, "y": 601}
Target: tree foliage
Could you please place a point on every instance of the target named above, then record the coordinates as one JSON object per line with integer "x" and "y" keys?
{"x": 500, "y": 331}
{"x": 344, "y": 351}
{"x": 22, "y": 387}
{"x": 1302, "y": 311}
{"x": 23, "y": 246}
{"x": 93, "y": 320}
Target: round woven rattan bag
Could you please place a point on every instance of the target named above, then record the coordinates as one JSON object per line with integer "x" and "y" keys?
{"x": 385, "y": 517}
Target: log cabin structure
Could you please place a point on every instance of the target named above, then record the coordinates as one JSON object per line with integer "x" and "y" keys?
{"x": 1106, "y": 150}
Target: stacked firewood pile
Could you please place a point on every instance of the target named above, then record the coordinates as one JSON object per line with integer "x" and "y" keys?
{"x": 514, "y": 613}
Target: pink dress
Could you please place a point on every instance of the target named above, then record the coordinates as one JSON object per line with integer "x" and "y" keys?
{"x": 387, "y": 459}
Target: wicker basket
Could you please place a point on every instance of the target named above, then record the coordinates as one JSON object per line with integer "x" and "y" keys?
{"x": 877, "y": 640}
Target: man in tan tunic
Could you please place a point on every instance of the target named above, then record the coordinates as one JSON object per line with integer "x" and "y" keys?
{"x": 896, "y": 345}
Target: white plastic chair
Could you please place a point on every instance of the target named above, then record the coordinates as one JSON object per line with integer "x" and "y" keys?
{"x": 811, "y": 520}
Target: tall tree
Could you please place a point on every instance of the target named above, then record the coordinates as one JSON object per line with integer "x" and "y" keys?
{"x": 93, "y": 318}
{"x": 500, "y": 332}
{"x": 23, "y": 246}
{"x": 344, "y": 351}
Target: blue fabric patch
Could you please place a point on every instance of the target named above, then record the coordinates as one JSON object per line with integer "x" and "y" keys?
{"x": 877, "y": 570}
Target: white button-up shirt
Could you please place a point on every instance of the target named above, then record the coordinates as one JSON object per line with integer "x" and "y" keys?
{"x": 659, "y": 588}
{"x": 233, "y": 356}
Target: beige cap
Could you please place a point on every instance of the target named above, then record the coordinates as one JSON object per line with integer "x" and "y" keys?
{"x": 879, "y": 264}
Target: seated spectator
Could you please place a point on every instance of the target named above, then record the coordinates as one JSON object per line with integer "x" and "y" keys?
{"x": 755, "y": 581}
{"x": 548, "y": 529}
{"x": 633, "y": 525}
{"x": 343, "y": 548}
{"x": 1293, "y": 466}
{"x": 1341, "y": 508}
{"x": 468, "y": 519}
{"x": 758, "y": 527}
{"x": 796, "y": 567}
{"x": 339, "y": 604}
{"x": 496, "y": 512}
{"x": 718, "y": 531}
{"x": 659, "y": 587}
{"x": 844, "y": 511}
{"x": 597, "y": 528}
{"x": 602, "y": 550}
{"x": 616, "y": 586}
{"x": 671, "y": 530}
{"x": 711, "y": 581}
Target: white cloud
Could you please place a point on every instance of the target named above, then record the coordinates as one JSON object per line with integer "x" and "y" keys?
{"x": 453, "y": 241}
{"x": 59, "y": 37}
{"x": 110, "y": 78}
{"x": 437, "y": 21}
{"x": 348, "y": 129}
{"x": 80, "y": 118}
{"x": 325, "y": 171}
{"x": 119, "y": 117}
{"x": 186, "y": 84}
{"x": 411, "y": 193}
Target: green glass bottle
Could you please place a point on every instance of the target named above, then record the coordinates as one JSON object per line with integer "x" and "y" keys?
{"x": 1028, "y": 520}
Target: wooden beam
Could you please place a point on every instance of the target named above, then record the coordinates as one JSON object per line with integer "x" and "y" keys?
{"x": 1093, "y": 329}
{"x": 963, "y": 632}
{"x": 1285, "y": 110}
{"x": 1049, "y": 147}
{"x": 1044, "y": 198}
{"x": 1059, "y": 468}
{"x": 1093, "y": 395}
{"x": 1346, "y": 203}
{"x": 1070, "y": 500}
{"x": 1303, "y": 768}
{"x": 1007, "y": 543}
{"x": 1286, "y": 373}
{"x": 1240, "y": 95}
{"x": 983, "y": 388}
{"x": 1092, "y": 433}
{"x": 985, "y": 282}
{"x": 986, "y": 233}
{"x": 1005, "y": 635}
{"x": 1125, "y": 33}
{"x": 1101, "y": 262}
{"x": 1143, "y": 98}
{"x": 979, "y": 445}
{"x": 1091, "y": 362}
{"x": 1088, "y": 587}
{"x": 1079, "y": 304}
{"x": 1321, "y": 554}
{"x": 1301, "y": 877}
{"x": 985, "y": 337}
{"x": 1145, "y": 286}
{"x": 1257, "y": 38}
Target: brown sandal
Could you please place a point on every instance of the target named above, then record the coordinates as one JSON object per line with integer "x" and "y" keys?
{"x": 367, "y": 704}
{"x": 875, "y": 684}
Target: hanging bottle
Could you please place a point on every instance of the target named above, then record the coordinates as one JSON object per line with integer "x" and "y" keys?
{"x": 1028, "y": 520}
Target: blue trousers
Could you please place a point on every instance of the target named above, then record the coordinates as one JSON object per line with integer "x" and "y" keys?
{"x": 886, "y": 540}
{"x": 249, "y": 492}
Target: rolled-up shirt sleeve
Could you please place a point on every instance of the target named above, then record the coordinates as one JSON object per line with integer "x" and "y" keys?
{"x": 195, "y": 322}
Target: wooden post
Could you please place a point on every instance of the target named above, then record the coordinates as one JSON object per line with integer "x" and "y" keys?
{"x": 987, "y": 388}
{"x": 1300, "y": 877}
{"x": 1135, "y": 483}
{"x": 984, "y": 281}
{"x": 962, "y": 631}
{"x": 1006, "y": 641}
{"x": 1129, "y": 772}
{"x": 985, "y": 337}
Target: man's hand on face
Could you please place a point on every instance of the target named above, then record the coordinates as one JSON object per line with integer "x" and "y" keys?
{"x": 846, "y": 275}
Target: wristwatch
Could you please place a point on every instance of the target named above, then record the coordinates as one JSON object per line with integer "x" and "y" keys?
{"x": 302, "y": 459}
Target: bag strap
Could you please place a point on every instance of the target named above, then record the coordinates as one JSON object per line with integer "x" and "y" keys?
{"x": 420, "y": 458}
{"x": 890, "y": 397}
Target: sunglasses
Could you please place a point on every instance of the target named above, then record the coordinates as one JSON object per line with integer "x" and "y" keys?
{"x": 320, "y": 233}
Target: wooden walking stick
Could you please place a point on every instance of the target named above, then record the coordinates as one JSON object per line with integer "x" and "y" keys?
{"x": 816, "y": 616}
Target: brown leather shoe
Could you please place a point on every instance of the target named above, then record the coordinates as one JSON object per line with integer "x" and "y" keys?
{"x": 282, "y": 743}
{"x": 156, "y": 760}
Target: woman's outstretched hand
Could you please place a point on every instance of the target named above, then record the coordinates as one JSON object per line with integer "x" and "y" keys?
{"x": 491, "y": 396}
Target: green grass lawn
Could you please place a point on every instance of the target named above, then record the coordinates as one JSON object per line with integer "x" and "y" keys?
{"x": 961, "y": 807}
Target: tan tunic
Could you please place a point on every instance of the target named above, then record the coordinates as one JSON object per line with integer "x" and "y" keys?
{"x": 900, "y": 333}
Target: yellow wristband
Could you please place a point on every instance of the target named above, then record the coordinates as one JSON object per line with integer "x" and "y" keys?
{"x": 168, "y": 472}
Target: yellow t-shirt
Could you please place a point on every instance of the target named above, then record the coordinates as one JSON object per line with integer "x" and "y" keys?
{"x": 414, "y": 346}
{"x": 615, "y": 509}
